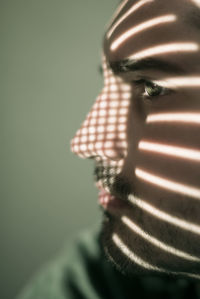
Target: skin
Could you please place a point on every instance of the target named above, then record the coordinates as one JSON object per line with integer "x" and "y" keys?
{"x": 127, "y": 157}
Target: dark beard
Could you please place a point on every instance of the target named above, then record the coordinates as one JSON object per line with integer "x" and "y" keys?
{"x": 115, "y": 183}
{"x": 121, "y": 188}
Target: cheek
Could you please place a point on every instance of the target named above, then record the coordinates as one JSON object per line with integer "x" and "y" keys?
{"x": 163, "y": 158}
{"x": 163, "y": 166}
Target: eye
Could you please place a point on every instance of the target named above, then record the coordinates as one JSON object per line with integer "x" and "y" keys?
{"x": 151, "y": 89}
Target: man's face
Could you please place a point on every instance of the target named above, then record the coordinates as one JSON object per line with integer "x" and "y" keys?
{"x": 143, "y": 133}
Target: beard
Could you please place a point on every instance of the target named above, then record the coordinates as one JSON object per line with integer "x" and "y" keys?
{"x": 112, "y": 226}
{"x": 137, "y": 261}
{"x": 130, "y": 253}
{"x": 113, "y": 181}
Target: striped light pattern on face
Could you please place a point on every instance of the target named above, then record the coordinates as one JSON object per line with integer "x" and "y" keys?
{"x": 103, "y": 137}
{"x": 161, "y": 215}
{"x": 168, "y": 184}
{"x": 181, "y": 117}
{"x": 141, "y": 27}
{"x": 196, "y": 2}
{"x": 166, "y": 49}
{"x": 183, "y": 82}
{"x": 169, "y": 150}
{"x": 157, "y": 242}
{"x": 128, "y": 13}
{"x": 137, "y": 260}
{"x": 119, "y": 9}
{"x": 132, "y": 256}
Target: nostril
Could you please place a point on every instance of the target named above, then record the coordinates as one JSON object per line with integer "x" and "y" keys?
{"x": 115, "y": 155}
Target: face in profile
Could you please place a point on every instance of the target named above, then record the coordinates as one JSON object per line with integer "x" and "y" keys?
{"x": 143, "y": 133}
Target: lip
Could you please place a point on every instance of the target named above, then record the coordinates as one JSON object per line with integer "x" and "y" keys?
{"x": 108, "y": 201}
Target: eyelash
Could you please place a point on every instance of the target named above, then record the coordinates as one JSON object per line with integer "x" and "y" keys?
{"x": 164, "y": 91}
{"x": 139, "y": 83}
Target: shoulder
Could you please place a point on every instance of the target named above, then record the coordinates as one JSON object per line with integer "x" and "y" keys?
{"x": 68, "y": 274}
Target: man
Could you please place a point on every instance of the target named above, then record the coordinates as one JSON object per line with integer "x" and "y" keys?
{"x": 143, "y": 135}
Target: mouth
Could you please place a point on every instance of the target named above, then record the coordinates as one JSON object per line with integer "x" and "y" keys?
{"x": 109, "y": 202}
{"x": 113, "y": 188}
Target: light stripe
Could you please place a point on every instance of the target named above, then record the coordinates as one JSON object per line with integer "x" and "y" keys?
{"x": 167, "y": 184}
{"x": 183, "y": 82}
{"x": 196, "y": 2}
{"x": 148, "y": 24}
{"x": 169, "y": 150}
{"x": 128, "y": 13}
{"x": 132, "y": 256}
{"x": 119, "y": 9}
{"x": 165, "y": 48}
{"x": 157, "y": 242}
{"x": 186, "y": 225}
{"x": 174, "y": 117}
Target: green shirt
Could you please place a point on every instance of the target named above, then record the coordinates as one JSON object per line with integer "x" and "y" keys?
{"x": 81, "y": 271}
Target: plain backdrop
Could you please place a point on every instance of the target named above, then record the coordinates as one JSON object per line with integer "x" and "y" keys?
{"x": 51, "y": 50}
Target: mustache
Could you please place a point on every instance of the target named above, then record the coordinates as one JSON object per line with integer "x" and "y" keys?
{"x": 120, "y": 186}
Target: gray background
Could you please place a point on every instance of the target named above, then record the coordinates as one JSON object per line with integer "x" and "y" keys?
{"x": 51, "y": 52}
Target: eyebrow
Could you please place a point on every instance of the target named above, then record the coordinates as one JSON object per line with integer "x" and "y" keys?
{"x": 130, "y": 65}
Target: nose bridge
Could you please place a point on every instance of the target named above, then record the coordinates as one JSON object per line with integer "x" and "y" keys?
{"x": 103, "y": 133}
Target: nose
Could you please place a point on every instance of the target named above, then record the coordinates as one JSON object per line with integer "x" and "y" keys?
{"x": 103, "y": 133}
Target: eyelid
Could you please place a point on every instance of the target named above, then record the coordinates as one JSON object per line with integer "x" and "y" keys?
{"x": 144, "y": 95}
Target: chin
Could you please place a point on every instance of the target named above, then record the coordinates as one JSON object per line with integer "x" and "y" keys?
{"x": 114, "y": 255}
{"x": 125, "y": 265}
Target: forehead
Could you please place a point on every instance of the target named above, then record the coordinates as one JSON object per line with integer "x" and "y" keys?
{"x": 144, "y": 24}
